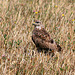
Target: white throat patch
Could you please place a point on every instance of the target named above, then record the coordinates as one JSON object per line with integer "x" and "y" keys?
{"x": 38, "y": 27}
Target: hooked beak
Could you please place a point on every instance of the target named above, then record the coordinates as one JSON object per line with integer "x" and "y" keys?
{"x": 35, "y": 24}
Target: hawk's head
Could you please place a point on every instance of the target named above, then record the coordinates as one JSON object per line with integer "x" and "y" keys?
{"x": 37, "y": 24}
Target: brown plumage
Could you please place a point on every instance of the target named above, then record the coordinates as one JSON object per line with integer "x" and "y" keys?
{"x": 42, "y": 39}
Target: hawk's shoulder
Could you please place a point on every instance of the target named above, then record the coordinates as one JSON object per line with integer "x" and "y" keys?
{"x": 41, "y": 34}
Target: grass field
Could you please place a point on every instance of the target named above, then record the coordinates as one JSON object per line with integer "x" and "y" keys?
{"x": 18, "y": 54}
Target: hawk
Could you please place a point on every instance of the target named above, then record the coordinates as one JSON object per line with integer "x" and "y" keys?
{"x": 42, "y": 38}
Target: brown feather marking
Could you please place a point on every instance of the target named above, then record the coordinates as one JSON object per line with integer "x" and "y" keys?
{"x": 42, "y": 34}
{"x": 42, "y": 39}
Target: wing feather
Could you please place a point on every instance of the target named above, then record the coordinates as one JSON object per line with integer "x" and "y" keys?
{"x": 41, "y": 34}
{"x": 41, "y": 38}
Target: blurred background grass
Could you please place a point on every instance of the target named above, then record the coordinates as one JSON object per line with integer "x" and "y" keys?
{"x": 18, "y": 54}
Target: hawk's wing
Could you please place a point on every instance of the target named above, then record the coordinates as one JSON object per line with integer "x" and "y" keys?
{"x": 41, "y": 34}
{"x": 42, "y": 39}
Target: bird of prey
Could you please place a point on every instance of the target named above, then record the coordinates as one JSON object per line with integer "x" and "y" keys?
{"x": 42, "y": 38}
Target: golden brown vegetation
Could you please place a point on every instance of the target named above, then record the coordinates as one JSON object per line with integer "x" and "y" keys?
{"x": 18, "y": 54}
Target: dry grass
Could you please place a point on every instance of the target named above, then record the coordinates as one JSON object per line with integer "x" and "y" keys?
{"x": 16, "y": 17}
